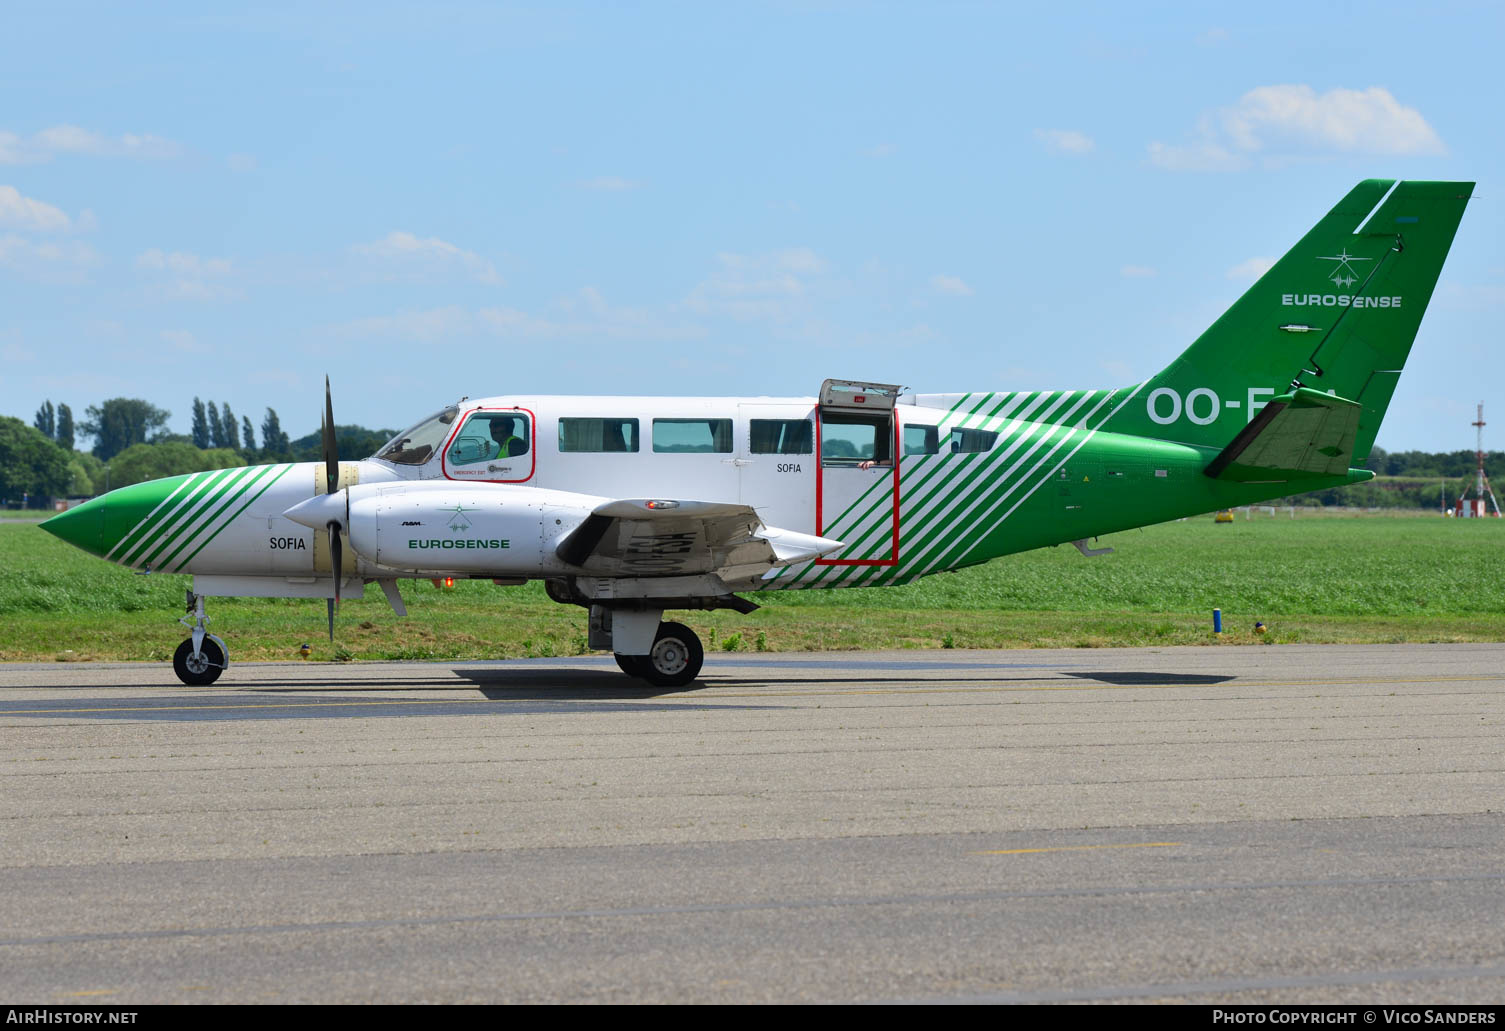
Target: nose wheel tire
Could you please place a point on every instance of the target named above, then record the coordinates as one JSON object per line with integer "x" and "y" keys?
{"x": 199, "y": 670}
{"x": 676, "y": 657}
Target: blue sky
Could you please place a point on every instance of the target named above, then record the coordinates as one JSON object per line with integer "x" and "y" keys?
{"x": 454, "y": 199}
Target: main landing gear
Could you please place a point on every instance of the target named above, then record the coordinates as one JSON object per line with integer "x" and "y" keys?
{"x": 664, "y": 654}
{"x": 201, "y": 658}
{"x": 674, "y": 660}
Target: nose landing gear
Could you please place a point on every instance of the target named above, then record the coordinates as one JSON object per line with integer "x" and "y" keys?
{"x": 201, "y": 658}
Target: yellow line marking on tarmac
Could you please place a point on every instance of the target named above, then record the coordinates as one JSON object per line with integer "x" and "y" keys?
{"x": 92, "y": 991}
{"x": 1074, "y": 848}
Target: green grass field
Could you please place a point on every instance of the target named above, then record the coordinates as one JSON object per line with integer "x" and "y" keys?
{"x": 1310, "y": 579}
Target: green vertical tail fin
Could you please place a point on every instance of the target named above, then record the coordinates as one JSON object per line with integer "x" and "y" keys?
{"x": 1337, "y": 314}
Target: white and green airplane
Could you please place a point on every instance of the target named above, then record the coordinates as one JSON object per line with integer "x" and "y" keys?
{"x": 630, "y": 506}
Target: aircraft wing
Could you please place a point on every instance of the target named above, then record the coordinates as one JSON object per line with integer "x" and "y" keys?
{"x": 1303, "y": 434}
{"x": 647, "y": 537}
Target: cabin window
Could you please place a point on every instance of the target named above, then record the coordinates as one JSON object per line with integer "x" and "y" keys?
{"x": 847, "y": 439}
{"x": 781, "y": 437}
{"x": 971, "y": 442}
{"x": 488, "y": 436}
{"x": 692, "y": 436}
{"x": 598, "y": 435}
{"x": 922, "y": 440}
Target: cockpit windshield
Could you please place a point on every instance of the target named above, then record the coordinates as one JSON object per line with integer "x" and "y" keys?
{"x": 417, "y": 445}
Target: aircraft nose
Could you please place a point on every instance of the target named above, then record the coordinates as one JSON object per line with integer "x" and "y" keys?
{"x": 102, "y": 524}
{"x": 82, "y": 526}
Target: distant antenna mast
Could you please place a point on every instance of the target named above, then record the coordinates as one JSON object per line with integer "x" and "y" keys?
{"x": 1482, "y": 488}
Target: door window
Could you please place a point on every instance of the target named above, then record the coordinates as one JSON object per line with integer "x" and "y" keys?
{"x": 850, "y": 439}
{"x": 489, "y": 436}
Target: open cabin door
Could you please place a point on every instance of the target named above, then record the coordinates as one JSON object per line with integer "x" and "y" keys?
{"x": 857, "y": 472}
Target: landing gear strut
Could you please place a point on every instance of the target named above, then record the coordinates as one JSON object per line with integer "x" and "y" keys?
{"x": 200, "y": 659}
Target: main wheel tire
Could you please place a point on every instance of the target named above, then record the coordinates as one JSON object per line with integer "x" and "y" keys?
{"x": 632, "y": 665}
{"x": 201, "y": 670}
{"x": 676, "y": 657}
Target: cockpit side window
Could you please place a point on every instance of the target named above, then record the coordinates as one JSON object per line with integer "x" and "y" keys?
{"x": 489, "y": 436}
{"x": 417, "y": 445}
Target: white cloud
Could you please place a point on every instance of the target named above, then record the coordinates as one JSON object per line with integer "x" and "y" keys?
{"x": 1137, "y": 272}
{"x": 584, "y": 314}
{"x": 70, "y": 139}
{"x": 426, "y": 326}
{"x": 1212, "y": 37}
{"x": 1065, "y": 141}
{"x": 12, "y": 149}
{"x": 241, "y": 163}
{"x": 882, "y": 150}
{"x": 754, "y": 287}
{"x": 1359, "y": 121}
{"x": 1253, "y": 268}
{"x": 21, "y": 212}
{"x": 184, "y": 341}
{"x": 49, "y": 262}
{"x": 608, "y": 184}
{"x": 182, "y": 275}
{"x": 1286, "y": 122}
{"x": 182, "y": 263}
{"x": 430, "y": 254}
{"x": 1205, "y": 156}
{"x": 950, "y": 285}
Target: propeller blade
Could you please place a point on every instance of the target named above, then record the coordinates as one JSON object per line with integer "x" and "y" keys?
{"x": 336, "y": 558}
{"x": 331, "y": 450}
{"x": 337, "y": 561}
{"x": 332, "y": 482}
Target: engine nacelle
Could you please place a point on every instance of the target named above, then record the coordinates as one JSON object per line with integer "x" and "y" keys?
{"x": 441, "y": 527}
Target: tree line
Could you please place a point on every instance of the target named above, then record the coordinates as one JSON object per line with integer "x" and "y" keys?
{"x": 123, "y": 422}
{"x": 132, "y": 444}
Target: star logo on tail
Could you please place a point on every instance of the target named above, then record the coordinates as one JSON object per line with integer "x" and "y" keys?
{"x": 1343, "y": 272}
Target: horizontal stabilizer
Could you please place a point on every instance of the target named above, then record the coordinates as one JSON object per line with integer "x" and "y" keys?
{"x": 1300, "y": 435}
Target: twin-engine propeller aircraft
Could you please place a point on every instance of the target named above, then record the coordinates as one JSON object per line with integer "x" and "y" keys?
{"x": 631, "y": 506}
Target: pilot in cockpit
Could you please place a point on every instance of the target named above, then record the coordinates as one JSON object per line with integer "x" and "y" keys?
{"x": 508, "y": 443}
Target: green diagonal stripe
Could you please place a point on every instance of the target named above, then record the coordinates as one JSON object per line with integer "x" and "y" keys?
{"x": 207, "y": 500}
{"x": 230, "y": 497}
{"x": 249, "y": 502}
{"x": 152, "y": 534}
